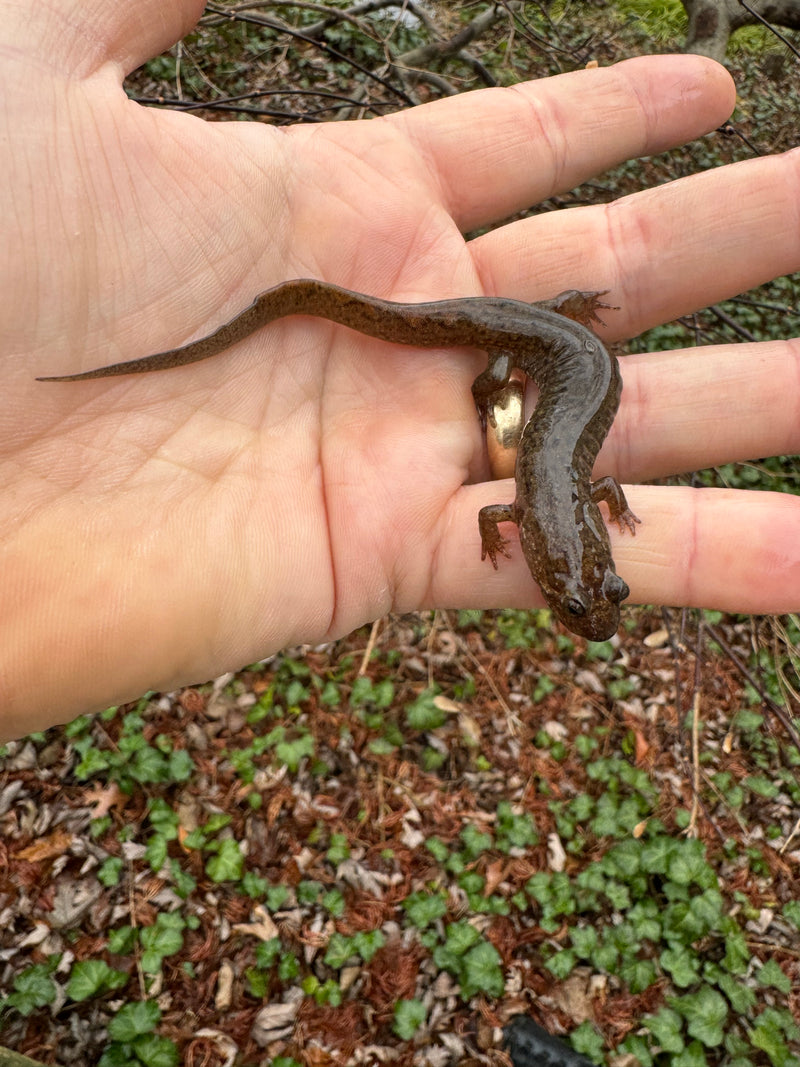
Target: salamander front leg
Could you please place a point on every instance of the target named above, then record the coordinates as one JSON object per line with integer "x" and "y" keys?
{"x": 579, "y": 306}
{"x": 610, "y": 490}
{"x": 491, "y": 540}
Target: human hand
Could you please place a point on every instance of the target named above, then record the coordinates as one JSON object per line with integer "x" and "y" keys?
{"x": 160, "y": 529}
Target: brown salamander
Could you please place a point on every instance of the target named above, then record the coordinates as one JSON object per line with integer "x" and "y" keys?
{"x": 561, "y": 530}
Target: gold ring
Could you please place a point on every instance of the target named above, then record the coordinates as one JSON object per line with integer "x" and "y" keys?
{"x": 505, "y": 419}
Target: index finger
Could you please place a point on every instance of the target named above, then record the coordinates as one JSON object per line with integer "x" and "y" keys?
{"x": 496, "y": 151}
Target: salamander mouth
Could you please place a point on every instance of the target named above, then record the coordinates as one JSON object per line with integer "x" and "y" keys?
{"x": 601, "y": 623}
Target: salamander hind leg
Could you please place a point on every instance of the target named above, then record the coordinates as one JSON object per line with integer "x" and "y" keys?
{"x": 492, "y": 541}
{"x": 491, "y": 382}
{"x": 578, "y": 306}
{"x": 610, "y": 490}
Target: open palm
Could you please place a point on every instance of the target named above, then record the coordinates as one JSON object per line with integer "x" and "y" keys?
{"x": 161, "y": 528}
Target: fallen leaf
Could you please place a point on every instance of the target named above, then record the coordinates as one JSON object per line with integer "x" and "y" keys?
{"x": 642, "y": 747}
{"x": 264, "y": 928}
{"x": 72, "y": 901}
{"x": 573, "y": 996}
{"x": 55, "y": 844}
{"x": 556, "y": 856}
{"x": 224, "y": 994}
{"x": 104, "y": 798}
{"x": 444, "y": 703}
{"x": 657, "y": 639}
{"x": 274, "y": 1022}
{"x": 495, "y": 873}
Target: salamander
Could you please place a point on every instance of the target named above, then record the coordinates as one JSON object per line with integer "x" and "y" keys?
{"x": 561, "y": 530}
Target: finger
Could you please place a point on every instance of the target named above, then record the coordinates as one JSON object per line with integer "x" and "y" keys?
{"x": 499, "y": 150}
{"x": 739, "y": 226}
{"x": 692, "y": 408}
{"x": 81, "y": 38}
{"x": 715, "y": 548}
{"x": 708, "y": 548}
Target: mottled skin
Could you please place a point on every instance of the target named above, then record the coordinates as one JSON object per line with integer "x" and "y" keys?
{"x": 529, "y": 1045}
{"x": 561, "y": 530}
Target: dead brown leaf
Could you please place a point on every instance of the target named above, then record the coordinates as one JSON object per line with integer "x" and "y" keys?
{"x": 55, "y": 844}
{"x": 104, "y": 798}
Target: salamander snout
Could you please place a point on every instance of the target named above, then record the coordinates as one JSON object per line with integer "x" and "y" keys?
{"x": 590, "y": 610}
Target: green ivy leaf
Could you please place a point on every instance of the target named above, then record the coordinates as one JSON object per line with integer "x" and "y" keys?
{"x": 228, "y": 864}
{"x": 682, "y": 964}
{"x": 584, "y": 941}
{"x": 409, "y": 1015}
{"x": 475, "y": 841}
{"x": 340, "y": 949}
{"x": 589, "y": 1041}
{"x": 293, "y": 752}
{"x": 742, "y": 998}
{"x": 155, "y": 1051}
{"x": 117, "y": 1055}
{"x": 772, "y": 975}
{"x": 562, "y": 963}
{"x": 514, "y": 831}
{"x": 110, "y": 871}
{"x": 481, "y": 972}
{"x": 605, "y": 957}
{"x": 90, "y": 977}
{"x": 267, "y": 952}
{"x": 687, "y": 864}
{"x": 707, "y": 909}
{"x": 791, "y": 911}
{"x": 338, "y": 849}
{"x": 149, "y": 765}
{"x": 424, "y": 908}
{"x": 666, "y": 1027}
{"x": 461, "y": 937}
{"x": 624, "y": 860}
{"x": 639, "y": 975}
{"x": 705, "y": 1011}
{"x": 34, "y": 988}
{"x": 121, "y": 941}
{"x": 422, "y": 713}
{"x": 181, "y": 766}
{"x": 636, "y": 1046}
{"x": 164, "y": 938}
{"x": 216, "y": 822}
{"x": 156, "y": 852}
{"x": 618, "y": 895}
{"x": 737, "y": 953}
{"x": 769, "y": 1040}
{"x": 162, "y": 818}
{"x": 133, "y": 1020}
{"x": 93, "y": 762}
{"x": 692, "y": 1056}
{"x": 367, "y": 943}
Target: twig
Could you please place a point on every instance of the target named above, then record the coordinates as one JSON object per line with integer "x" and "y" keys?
{"x": 373, "y": 636}
{"x": 282, "y": 27}
{"x": 723, "y": 316}
{"x": 763, "y": 21}
{"x": 514, "y": 723}
{"x": 772, "y": 705}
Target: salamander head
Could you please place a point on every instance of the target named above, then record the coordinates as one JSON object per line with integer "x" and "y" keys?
{"x": 578, "y": 580}
{"x": 591, "y": 613}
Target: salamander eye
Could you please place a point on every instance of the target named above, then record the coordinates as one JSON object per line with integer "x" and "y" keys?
{"x": 614, "y": 588}
{"x": 576, "y": 607}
